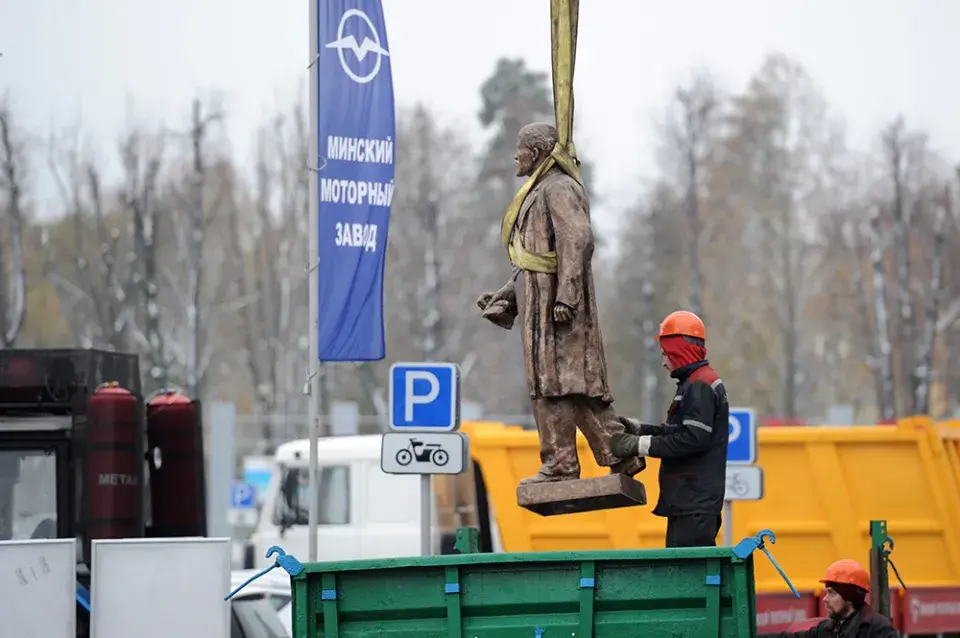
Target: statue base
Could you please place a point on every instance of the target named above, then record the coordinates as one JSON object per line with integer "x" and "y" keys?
{"x": 581, "y": 495}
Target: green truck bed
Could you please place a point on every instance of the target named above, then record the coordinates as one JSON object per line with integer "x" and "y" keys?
{"x": 685, "y": 592}
{"x": 694, "y": 592}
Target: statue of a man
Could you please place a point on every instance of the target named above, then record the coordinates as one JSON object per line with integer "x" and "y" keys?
{"x": 551, "y": 243}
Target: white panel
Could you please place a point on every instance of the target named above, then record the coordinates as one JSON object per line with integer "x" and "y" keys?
{"x": 344, "y": 418}
{"x": 221, "y": 466}
{"x": 390, "y": 498}
{"x": 38, "y": 588}
{"x": 160, "y": 587}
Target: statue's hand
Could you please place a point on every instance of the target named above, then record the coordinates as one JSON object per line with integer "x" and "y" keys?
{"x": 507, "y": 294}
{"x": 562, "y": 313}
{"x": 501, "y": 314}
{"x": 485, "y": 300}
{"x": 500, "y": 308}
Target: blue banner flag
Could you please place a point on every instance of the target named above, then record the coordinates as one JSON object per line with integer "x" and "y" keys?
{"x": 356, "y": 133}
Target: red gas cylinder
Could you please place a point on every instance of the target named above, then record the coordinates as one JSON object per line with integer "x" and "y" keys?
{"x": 113, "y": 500}
{"x": 175, "y": 454}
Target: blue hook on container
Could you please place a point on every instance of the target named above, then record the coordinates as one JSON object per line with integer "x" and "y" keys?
{"x": 748, "y": 545}
{"x": 289, "y": 564}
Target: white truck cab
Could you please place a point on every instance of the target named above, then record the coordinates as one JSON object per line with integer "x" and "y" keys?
{"x": 364, "y": 512}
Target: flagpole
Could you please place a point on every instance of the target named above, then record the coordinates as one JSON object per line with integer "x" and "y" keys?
{"x": 313, "y": 372}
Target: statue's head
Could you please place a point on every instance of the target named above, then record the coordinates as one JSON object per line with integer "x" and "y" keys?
{"x": 534, "y": 144}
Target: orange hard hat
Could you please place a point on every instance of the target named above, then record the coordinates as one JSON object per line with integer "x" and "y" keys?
{"x": 847, "y": 572}
{"x": 682, "y": 323}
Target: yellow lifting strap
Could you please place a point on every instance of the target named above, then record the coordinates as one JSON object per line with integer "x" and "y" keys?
{"x": 563, "y": 20}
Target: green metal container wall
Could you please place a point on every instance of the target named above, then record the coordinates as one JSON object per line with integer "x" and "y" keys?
{"x": 691, "y": 592}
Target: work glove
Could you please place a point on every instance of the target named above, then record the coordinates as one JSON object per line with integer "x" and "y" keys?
{"x": 624, "y": 445}
{"x": 630, "y": 424}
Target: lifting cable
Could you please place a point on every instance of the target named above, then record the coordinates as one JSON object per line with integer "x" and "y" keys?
{"x": 563, "y": 36}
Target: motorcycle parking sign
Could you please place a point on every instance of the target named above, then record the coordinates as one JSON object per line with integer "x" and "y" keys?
{"x": 423, "y": 453}
{"x": 424, "y": 418}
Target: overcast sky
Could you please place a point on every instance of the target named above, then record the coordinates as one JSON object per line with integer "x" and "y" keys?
{"x": 64, "y": 59}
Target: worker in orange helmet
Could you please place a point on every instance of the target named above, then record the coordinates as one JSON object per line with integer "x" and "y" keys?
{"x": 847, "y": 584}
{"x": 692, "y": 442}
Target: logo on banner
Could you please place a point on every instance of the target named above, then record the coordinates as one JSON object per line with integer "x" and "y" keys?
{"x": 349, "y": 42}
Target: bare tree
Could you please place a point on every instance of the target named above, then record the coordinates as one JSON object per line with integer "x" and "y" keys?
{"x": 428, "y": 215}
{"x": 12, "y": 184}
{"x": 924, "y": 351}
{"x": 660, "y": 247}
{"x": 904, "y": 157}
{"x": 142, "y": 159}
{"x": 649, "y": 325}
{"x": 692, "y": 129}
{"x": 867, "y": 330}
{"x": 643, "y": 292}
{"x": 779, "y": 142}
{"x": 439, "y": 259}
{"x": 90, "y": 256}
{"x": 878, "y": 242}
{"x": 269, "y": 257}
{"x": 197, "y": 277}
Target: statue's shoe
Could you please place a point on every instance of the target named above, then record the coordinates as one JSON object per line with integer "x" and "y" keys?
{"x": 540, "y": 477}
{"x": 630, "y": 467}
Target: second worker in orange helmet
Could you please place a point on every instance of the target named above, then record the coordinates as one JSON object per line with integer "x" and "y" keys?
{"x": 846, "y": 585}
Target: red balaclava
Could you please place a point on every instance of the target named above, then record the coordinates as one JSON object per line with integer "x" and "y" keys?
{"x": 681, "y": 352}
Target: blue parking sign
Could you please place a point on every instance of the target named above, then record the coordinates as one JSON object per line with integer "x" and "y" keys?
{"x": 243, "y": 496}
{"x": 742, "y": 445}
{"x": 425, "y": 396}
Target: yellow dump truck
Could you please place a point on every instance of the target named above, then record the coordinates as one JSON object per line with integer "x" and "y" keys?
{"x": 822, "y": 487}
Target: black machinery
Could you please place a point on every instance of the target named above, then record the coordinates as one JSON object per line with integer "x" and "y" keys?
{"x": 83, "y": 456}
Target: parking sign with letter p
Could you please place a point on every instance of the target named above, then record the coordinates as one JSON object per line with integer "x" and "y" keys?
{"x": 425, "y": 396}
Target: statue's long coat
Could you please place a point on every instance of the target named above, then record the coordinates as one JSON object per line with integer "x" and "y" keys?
{"x": 561, "y": 358}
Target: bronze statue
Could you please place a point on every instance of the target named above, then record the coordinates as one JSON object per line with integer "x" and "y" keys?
{"x": 549, "y": 239}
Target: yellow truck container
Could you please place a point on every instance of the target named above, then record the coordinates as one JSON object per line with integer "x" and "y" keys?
{"x": 823, "y": 485}
{"x": 950, "y": 435}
